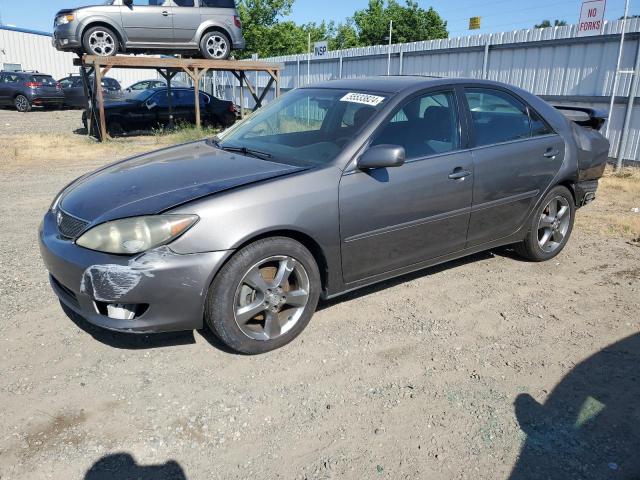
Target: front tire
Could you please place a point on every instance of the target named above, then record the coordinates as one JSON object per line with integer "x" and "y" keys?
{"x": 100, "y": 41}
{"x": 22, "y": 103}
{"x": 215, "y": 45}
{"x": 550, "y": 227}
{"x": 264, "y": 296}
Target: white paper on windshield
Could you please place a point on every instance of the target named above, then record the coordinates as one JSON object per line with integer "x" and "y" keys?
{"x": 363, "y": 98}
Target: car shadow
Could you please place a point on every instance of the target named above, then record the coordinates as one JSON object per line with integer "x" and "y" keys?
{"x": 122, "y": 466}
{"x": 589, "y": 426}
{"x": 377, "y": 287}
{"x": 136, "y": 341}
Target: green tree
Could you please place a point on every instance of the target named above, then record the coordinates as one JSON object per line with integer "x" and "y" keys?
{"x": 261, "y": 26}
{"x": 410, "y": 23}
{"x": 547, "y": 23}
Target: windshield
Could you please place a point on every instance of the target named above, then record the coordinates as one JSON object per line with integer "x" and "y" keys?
{"x": 305, "y": 126}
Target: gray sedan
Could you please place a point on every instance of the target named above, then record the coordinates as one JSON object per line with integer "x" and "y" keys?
{"x": 327, "y": 189}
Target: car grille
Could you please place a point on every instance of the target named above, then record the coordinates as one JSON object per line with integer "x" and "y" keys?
{"x": 68, "y": 225}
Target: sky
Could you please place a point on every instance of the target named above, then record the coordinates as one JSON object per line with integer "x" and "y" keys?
{"x": 497, "y": 15}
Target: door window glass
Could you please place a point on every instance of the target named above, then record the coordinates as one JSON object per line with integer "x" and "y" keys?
{"x": 538, "y": 125}
{"x": 425, "y": 126}
{"x": 140, "y": 86}
{"x": 219, "y": 3}
{"x": 153, "y": 3}
{"x": 184, "y": 3}
{"x": 497, "y": 116}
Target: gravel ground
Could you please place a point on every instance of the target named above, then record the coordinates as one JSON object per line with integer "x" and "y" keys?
{"x": 39, "y": 121}
{"x": 485, "y": 368}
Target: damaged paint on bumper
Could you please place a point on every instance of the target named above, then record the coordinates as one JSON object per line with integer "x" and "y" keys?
{"x": 173, "y": 287}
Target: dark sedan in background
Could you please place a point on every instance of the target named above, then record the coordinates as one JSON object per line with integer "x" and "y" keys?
{"x": 326, "y": 189}
{"x": 23, "y": 90}
{"x": 150, "y": 109}
{"x": 74, "y": 96}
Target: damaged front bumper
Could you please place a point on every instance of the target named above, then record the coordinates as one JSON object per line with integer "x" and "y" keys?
{"x": 164, "y": 291}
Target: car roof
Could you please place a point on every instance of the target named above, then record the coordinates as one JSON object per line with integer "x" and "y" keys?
{"x": 398, "y": 83}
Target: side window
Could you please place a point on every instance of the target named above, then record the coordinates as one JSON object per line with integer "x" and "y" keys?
{"x": 184, "y": 3}
{"x": 497, "y": 116}
{"x": 66, "y": 82}
{"x": 538, "y": 125}
{"x": 218, "y": 3}
{"x": 153, "y": 3}
{"x": 139, "y": 86}
{"x": 425, "y": 126}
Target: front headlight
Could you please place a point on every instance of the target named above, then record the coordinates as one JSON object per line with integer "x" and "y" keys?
{"x": 136, "y": 234}
{"x": 64, "y": 19}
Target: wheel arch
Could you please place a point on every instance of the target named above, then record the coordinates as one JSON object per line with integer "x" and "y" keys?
{"x": 106, "y": 24}
{"x": 571, "y": 186}
{"x": 214, "y": 27}
{"x": 306, "y": 240}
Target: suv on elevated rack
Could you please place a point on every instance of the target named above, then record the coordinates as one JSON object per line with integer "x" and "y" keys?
{"x": 210, "y": 28}
{"x": 25, "y": 89}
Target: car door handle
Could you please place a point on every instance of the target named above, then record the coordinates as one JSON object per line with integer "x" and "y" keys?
{"x": 459, "y": 174}
{"x": 551, "y": 153}
{"x": 165, "y": 13}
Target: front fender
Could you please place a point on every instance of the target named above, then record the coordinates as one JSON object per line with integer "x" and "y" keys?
{"x": 101, "y": 19}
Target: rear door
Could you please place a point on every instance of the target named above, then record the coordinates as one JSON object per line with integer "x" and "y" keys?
{"x": 186, "y": 20}
{"x": 516, "y": 155}
{"x": 5, "y": 96}
{"x": 148, "y": 21}
{"x": 392, "y": 218}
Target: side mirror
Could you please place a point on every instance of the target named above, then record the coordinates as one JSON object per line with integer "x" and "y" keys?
{"x": 381, "y": 156}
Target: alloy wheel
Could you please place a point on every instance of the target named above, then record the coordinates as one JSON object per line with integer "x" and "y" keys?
{"x": 553, "y": 224}
{"x": 271, "y": 297}
{"x": 217, "y": 46}
{"x": 102, "y": 43}
{"x": 22, "y": 104}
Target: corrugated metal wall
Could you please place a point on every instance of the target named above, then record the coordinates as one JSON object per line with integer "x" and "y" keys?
{"x": 550, "y": 62}
{"x": 33, "y": 51}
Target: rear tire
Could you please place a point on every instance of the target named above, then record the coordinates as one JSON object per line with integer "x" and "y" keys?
{"x": 550, "y": 226}
{"x": 115, "y": 129}
{"x": 264, "y": 296}
{"x": 22, "y": 103}
{"x": 215, "y": 45}
{"x": 100, "y": 41}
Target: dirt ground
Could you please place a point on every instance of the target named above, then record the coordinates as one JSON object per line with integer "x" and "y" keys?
{"x": 485, "y": 368}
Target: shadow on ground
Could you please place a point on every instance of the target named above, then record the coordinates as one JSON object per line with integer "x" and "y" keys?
{"x": 122, "y": 466}
{"x": 589, "y": 427}
{"x": 136, "y": 341}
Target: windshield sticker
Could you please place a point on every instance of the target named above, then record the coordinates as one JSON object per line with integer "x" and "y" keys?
{"x": 363, "y": 98}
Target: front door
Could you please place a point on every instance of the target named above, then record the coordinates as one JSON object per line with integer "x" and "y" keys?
{"x": 392, "y": 218}
{"x": 148, "y": 21}
{"x": 516, "y": 156}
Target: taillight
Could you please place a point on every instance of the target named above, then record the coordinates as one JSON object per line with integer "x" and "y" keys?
{"x": 34, "y": 84}
{"x": 236, "y": 21}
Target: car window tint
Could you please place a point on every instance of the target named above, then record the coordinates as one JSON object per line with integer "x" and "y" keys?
{"x": 140, "y": 86}
{"x": 66, "y": 82}
{"x": 44, "y": 79}
{"x": 538, "y": 125}
{"x": 425, "y": 126}
{"x": 497, "y": 116}
{"x": 184, "y": 3}
{"x": 153, "y": 3}
{"x": 219, "y": 3}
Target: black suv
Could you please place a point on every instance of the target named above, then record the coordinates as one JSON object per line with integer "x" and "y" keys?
{"x": 26, "y": 89}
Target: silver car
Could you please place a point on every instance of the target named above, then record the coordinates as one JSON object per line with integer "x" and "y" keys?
{"x": 210, "y": 28}
{"x": 327, "y": 189}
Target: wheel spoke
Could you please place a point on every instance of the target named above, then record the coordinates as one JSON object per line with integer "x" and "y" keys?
{"x": 284, "y": 271}
{"x": 255, "y": 280}
{"x": 558, "y": 236}
{"x": 247, "y": 312}
{"x": 561, "y": 213}
{"x": 297, "y": 298}
{"x": 272, "y": 325}
{"x": 545, "y": 237}
{"x": 553, "y": 209}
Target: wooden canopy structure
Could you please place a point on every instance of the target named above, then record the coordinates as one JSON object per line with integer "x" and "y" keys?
{"x": 168, "y": 68}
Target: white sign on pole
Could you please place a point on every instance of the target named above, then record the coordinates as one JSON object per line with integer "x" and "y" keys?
{"x": 320, "y": 49}
{"x": 591, "y": 18}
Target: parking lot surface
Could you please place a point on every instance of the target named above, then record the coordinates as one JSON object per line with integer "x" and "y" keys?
{"x": 468, "y": 370}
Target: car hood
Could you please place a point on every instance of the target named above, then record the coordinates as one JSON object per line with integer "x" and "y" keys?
{"x": 157, "y": 181}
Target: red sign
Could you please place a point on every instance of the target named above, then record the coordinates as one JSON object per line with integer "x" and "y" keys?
{"x": 591, "y": 18}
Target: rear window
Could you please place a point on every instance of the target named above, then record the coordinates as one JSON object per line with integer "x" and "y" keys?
{"x": 44, "y": 79}
{"x": 219, "y": 3}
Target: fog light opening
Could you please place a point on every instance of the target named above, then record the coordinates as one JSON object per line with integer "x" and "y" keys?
{"x": 121, "y": 311}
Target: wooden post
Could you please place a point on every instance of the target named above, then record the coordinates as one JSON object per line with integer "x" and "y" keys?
{"x": 98, "y": 87}
{"x": 196, "y": 74}
{"x": 241, "y": 77}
